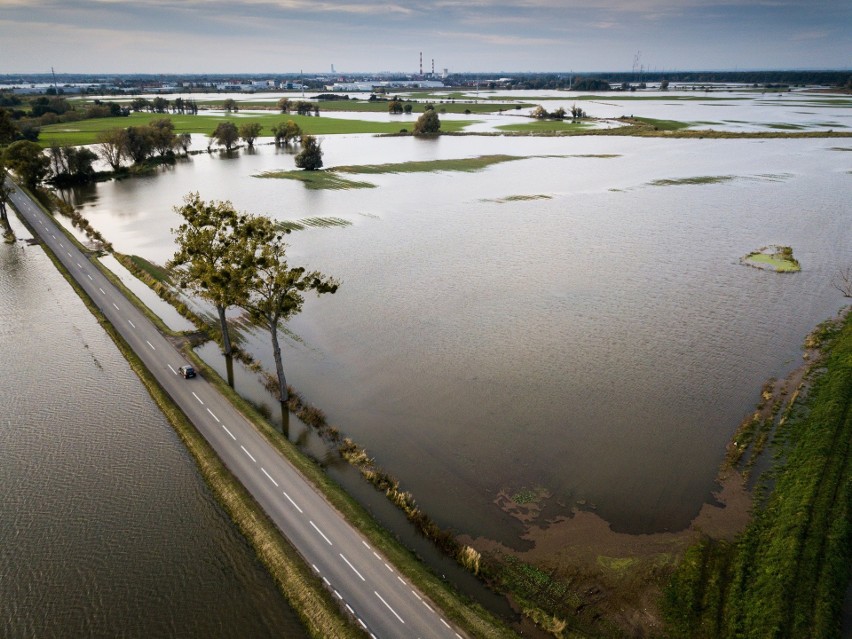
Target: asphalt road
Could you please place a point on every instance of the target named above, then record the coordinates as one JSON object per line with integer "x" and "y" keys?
{"x": 368, "y": 587}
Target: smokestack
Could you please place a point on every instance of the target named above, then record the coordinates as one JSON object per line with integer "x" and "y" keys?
{"x": 421, "y": 63}
{"x": 433, "y": 66}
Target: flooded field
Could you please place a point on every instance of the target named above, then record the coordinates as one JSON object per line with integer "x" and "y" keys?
{"x": 576, "y": 325}
{"x": 107, "y": 528}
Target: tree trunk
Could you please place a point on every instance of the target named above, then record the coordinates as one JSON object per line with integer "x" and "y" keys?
{"x": 226, "y": 337}
{"x": 283, "y": 396}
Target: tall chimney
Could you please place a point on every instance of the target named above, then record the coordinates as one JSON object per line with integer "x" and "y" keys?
{"x": 421, "y": 63}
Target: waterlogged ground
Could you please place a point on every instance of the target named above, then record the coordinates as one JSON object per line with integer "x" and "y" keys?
{"x": 578, "y": 326}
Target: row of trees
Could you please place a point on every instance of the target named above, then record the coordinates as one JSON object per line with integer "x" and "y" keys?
{"x": 540, "y": 113}
{"x": 235, "y": 259}
{"x": 140, "y": 143}
{"x": 300, "y": 107}
{"x": 162, "y": 105}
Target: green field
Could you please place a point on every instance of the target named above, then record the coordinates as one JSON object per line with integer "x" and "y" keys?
{"x": 86, "y": 131}
{"x": 544, "y": 126}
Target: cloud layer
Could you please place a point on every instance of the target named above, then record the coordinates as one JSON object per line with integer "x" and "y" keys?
{"x": 279, "y": 36}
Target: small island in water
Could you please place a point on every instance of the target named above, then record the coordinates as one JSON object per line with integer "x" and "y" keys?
{"x": 773, "y": 258}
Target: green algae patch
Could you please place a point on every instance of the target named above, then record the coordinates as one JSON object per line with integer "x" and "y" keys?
{"x": 316, "y": 180}
{"x": 773, "y": 258}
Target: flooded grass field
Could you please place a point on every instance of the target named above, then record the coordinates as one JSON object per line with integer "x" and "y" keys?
{"x": 587, "y": 334}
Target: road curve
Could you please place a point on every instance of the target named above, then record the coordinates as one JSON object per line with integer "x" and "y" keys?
{"x": 368, "y": 587}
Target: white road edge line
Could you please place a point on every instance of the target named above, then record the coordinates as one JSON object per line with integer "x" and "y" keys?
{"x": 212, "y": 415}
{"x": 389, "y": 608}
{"x": 363, "y": 625}
{"x": 416, "y": 595}
{"x": 428, "y": 606}
{"x": 229, "y": 432}
{"x": 445, "y": 623}
{"x": 295, "y": 505}
{"x": 366, "y": 544}
{"x": 349, "y": 608}
{"x": 269, "y": 476}
{"x": 248, "y": 453}
{"x": 198, "y": 398}
{"x": 338, "y": 595}
{"x": 389, "y": 568}
{"x": 401, "y": 580}
{"x": 315, "y": 567}
{"x": 352, "y": 567}
{"x": 320, "y": 532}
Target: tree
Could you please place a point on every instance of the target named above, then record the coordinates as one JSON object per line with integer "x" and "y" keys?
{"x": 111, "y": 146}
{"x": 217, "y": 251}
{"x": 138, "y": 143}
{"x": 539, "y": 113}
{"x": 5, "y": 192}
{"x": 286, "y": 132}
{"x": 230, "y": 105}
{"x": 8, "y": 132}
{"x": 842, "y": 281}
{"x": 276, "y": 295}
{"x": 160, "y": 105}
{"x": 395, "y": 107}
{"x": 163, "y": 138}
{"x": 428, "y": 123}
{"x": 284, "y": 105}
{"x": 226, "y": 134}
{"x": 26, "y": 159}
{"x": 249, "y": 132}
{"x": 310, "y": 157}
{"x": 184, "y": 141}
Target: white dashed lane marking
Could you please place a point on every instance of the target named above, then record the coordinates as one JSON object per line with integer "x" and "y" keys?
{"x": 151, "y": 345}
{"x": 295, "y": 505}
{"x": 134, "y": 326}
{"x": 323, "y": 534}
{"x": 269, "y": 477}
{"x": 232, "y": 436}
{"x": 354, "y": 569}
{"x": 198, "y": 398}
{"x": 388, "y": 607}
{"x": 248, "y": 453}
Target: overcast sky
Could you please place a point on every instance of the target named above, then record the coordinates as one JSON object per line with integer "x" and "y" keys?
{"x": 285, "y": 36}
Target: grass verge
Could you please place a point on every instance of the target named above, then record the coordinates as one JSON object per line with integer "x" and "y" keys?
{"x": 300, "y": 586}
{"x": 316, "y": 180}
{"x": 787, "y": 574}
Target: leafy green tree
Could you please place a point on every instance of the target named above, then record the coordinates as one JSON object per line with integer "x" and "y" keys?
{"x": 138, "y": 143}
{"x": 140, "y": 104}
{"x": 230, "y": 105}
{"x": 160, "y": 105}
{"x": 407, "y": 109}
{"x": 111, "y": 145}
{"x": 226, "y": 134}
{"x": 8, "y": 132}
{"x": 27, "y": 160}
{"x": 71, "y": 165}
{"x": 286, "y": 132}
{"x": 163, "y": 138}
{"x": 276, "y": 295}
{"x": 184, "y": 141}
{"x": 249, "y": 132}
{"x": 428, "y": 123}
{"x": 310, "y": 157}
{"x": 395, "y": 107}
{"x": 284, "y": 105}
{"x": 217, "y": 253}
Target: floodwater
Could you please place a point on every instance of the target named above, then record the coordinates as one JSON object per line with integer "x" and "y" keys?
{"x": 106, "y": 527}
{"x": 601, "y": 342}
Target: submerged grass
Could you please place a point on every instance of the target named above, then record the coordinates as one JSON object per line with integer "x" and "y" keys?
{"x": 776, "y": 258}
{"x": 425, "y": 166}
{"x": 518, "y": 198}
{"x": 315, "y": 180}
{"x": 703, "y": 179}
{"x": 311, "y": 222}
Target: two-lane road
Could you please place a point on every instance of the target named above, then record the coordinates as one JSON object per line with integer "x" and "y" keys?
{"x": 368, "y": 587}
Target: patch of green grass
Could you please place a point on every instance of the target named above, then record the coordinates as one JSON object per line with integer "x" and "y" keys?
{"x": 312, "y": 222}
{"x": 704, "y": 179}
{"x": 156, "y": 271}
{"x": 317, "y": 179}
{"x": 776, "y": 258}
{"x": 426, "y": 166}
{"x": 526, "y": 496}
{"x": 663, "y": 125}
{"x": 364, "y": 106}
{"x": 522, "y": 198}
{"x": 544, "y": 125}
{"x": 86, "y": 131}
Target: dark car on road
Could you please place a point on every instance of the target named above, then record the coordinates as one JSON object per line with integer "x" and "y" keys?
{"x": 187, "y": 371}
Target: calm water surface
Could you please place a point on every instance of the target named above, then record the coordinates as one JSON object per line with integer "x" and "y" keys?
{"x": 106, "y": 528}
{"x": 602, "y": 344}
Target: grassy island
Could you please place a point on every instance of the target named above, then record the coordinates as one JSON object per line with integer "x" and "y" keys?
{"x": 774, "y": 258}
